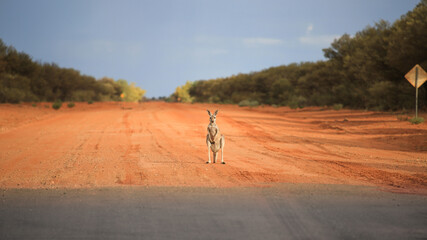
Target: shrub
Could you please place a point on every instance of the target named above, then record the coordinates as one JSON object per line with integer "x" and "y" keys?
{"x": 248, "y": 103}
{"x": 46, "y": 106}
{"x": 34, "y": 105}
{"x": 416, "y": 120}
{"x": 57, "y": 105}
{"x": 212, "y": 99}
{"x": 70, "y": 104}
{"x": 402, "y": 117}
{"x": 11, "y": 95}
{"x": 293, "y": 104}
{"x": 170, "y": 99}
{"x": 337, "y": 106}
{"x": 228, "y": 101}
{"x": 90, "y": 102}
{"x": 297, "y": 102}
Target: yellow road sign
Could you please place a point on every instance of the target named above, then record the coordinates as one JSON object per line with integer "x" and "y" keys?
{"x": 421, "y": 76}
{"x": 122, "y": 95}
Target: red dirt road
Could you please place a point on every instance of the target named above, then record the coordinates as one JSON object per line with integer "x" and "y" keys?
{"x": 161, "y": 144}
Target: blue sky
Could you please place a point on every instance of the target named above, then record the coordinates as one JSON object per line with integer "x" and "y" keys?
{"x": 161, "y": 44}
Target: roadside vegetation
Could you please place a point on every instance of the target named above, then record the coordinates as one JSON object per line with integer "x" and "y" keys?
{"x": 57, "y": 104}
{"x": 337, "y": 106}
{"x": 71, "y": 105}
{"x": 248, "y": 103}
{"x": 24, "y": 80}
{"x": 416, "y": 120}
{"x": 364, "y": 71}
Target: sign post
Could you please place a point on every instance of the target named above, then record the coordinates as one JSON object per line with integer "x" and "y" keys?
{"x": 416, "y": 92}
{"x": 416, "y": 76}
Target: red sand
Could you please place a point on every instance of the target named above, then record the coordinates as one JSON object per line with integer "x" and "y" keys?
{"x": 163, "y": 144}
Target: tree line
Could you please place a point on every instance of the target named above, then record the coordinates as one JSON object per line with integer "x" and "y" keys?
{"x": 361, "y": 71}
{"x": 25, "y": 80}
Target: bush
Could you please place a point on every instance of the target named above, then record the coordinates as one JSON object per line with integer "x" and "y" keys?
{"x": 293, "y": 104}
{"x": 70, "y": 104}
{"x": 170, "y": 99}
{"x": 34, "y": 105}
{"x": 228, "y": 101}
{"x": 297, "y": 102}
{"x": 90, "y": 102}
{"x": 12, "y": 95}
{"x": 57, "y": 105}
{"x": 402, "y": 117}
{"x": 416, "y": 120}
{"x": 212, "y": 99}
{"x": 337, "y": 106}
{"x": 248, "y": 103}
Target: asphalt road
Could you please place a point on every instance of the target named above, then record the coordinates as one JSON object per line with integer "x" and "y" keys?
{"x": 285, "y": 211}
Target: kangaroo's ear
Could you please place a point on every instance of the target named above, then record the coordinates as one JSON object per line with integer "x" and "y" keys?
{"x": 216, "y": 112}
{"x": 209, "y": 113}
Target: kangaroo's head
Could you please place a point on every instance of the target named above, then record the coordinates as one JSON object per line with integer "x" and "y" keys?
{"x": 212, "y": 117}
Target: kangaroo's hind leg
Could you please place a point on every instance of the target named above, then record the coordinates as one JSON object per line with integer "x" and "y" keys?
{"x": 209, "y": 148}
{"x": 222, "y": 143}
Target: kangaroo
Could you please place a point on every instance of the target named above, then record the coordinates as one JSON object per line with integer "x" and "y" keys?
{"x": 214, "y": 139}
